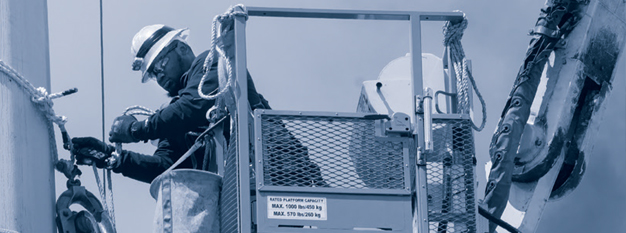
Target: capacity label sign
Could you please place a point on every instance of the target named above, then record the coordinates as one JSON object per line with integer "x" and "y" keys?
{"x": 299, "y": 208}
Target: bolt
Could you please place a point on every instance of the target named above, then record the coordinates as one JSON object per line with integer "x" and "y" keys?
{"x": 506, "y": 128}
{"x": 538, "y": 142}
{"x": 66, "y": 213}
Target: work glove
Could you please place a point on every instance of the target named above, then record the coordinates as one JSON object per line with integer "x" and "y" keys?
{"x": 91, "y": 151}
{"x": 121, "y": 129}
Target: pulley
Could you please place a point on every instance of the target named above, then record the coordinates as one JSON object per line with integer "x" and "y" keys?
{"x": 94, "y": 219}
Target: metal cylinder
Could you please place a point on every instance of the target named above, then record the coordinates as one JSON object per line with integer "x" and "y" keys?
{"x": 26, "y": 161}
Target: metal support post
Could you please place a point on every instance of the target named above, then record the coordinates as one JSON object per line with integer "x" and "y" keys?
{"x": 241, "y": 93}
{"x": 421, "y": 207}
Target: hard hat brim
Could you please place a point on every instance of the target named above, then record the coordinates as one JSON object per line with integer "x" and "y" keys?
{"x": 178, "y": 34}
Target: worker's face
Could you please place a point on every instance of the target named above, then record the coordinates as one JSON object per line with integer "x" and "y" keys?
{"x": 167, "y": 70}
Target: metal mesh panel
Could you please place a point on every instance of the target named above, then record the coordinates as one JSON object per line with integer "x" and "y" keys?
{"x": 450, "y": 177}
{"x": 329, "y": 151}
{"x": 230, "y": 194}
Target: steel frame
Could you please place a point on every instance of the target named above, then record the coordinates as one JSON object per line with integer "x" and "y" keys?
{"x": 243, "y": 111}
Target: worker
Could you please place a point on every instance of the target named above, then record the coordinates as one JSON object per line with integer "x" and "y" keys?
{"x": 162, "y": 53}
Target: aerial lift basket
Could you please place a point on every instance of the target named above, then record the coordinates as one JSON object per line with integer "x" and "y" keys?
{"x": 288, "y": 171}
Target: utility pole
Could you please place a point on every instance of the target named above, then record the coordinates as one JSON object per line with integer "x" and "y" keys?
{"x": 27, "y": 194}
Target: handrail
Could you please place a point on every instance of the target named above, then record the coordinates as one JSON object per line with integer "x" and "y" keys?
{"x": 353, "y": 14}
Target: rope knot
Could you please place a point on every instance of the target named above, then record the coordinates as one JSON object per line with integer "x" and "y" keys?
{"x": 226, "y": 25}
{"x": 41, "y": 96}
{"x": 453, "y": 31}
{"x": 44, "y": 102}
{"x": 236, "y": 10}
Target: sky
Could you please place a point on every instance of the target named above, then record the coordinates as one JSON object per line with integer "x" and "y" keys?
{"x": 315, "y": 65}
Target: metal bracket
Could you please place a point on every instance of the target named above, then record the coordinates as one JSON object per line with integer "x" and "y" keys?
{"x": 541, "y": 30}
{"x": 400, "y": 123}
{"x": 419, "y": 108}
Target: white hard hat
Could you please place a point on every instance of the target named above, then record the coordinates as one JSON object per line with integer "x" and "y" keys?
{"x": 149, "y": 42}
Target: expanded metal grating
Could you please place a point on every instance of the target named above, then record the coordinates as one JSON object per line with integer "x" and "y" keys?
{"x": 229, "y": 200}
{"x": 450, "y": 177}
{"x": 329, "y": 151}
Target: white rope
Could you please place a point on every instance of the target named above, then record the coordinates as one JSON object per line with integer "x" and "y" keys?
{"x": 138, "y": 110}
{"x": 39, "y": 95}
{"x": 102, "y": 186}
{"x": 228, "y": 16}
{"x": 110, "y": 196}
{"x": 43, "y": 101}
{"x": 453, "y": 33}
{"x": 101, "y": 190}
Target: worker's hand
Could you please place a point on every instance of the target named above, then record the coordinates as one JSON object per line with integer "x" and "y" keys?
{"x": 91, "y": 151}
{"x": 120, "y": 130}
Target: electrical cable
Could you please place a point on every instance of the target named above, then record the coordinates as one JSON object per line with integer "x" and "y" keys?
{"x": 103, "y": 193}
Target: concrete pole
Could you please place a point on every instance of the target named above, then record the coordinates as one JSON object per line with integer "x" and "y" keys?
{"x": 27, "y": 194}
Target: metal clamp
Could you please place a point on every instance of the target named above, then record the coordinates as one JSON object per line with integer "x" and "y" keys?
{"x": 112, "y": 162}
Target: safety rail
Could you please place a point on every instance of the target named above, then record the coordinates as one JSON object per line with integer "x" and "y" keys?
{"x": 315, "y": 168}
{"x": 241, "y": 160}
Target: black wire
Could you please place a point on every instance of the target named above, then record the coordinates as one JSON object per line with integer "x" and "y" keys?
{"x": 102, "y": 68}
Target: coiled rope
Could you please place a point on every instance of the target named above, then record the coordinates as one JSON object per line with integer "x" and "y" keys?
{"x": 453, "y": 32}
{"x": 227, "y": 18}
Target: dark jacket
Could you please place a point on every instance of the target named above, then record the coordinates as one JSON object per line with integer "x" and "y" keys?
{"x": 186, "y": 112}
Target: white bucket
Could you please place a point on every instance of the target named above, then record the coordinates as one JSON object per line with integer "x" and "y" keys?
{"x": 187, "y": 201}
